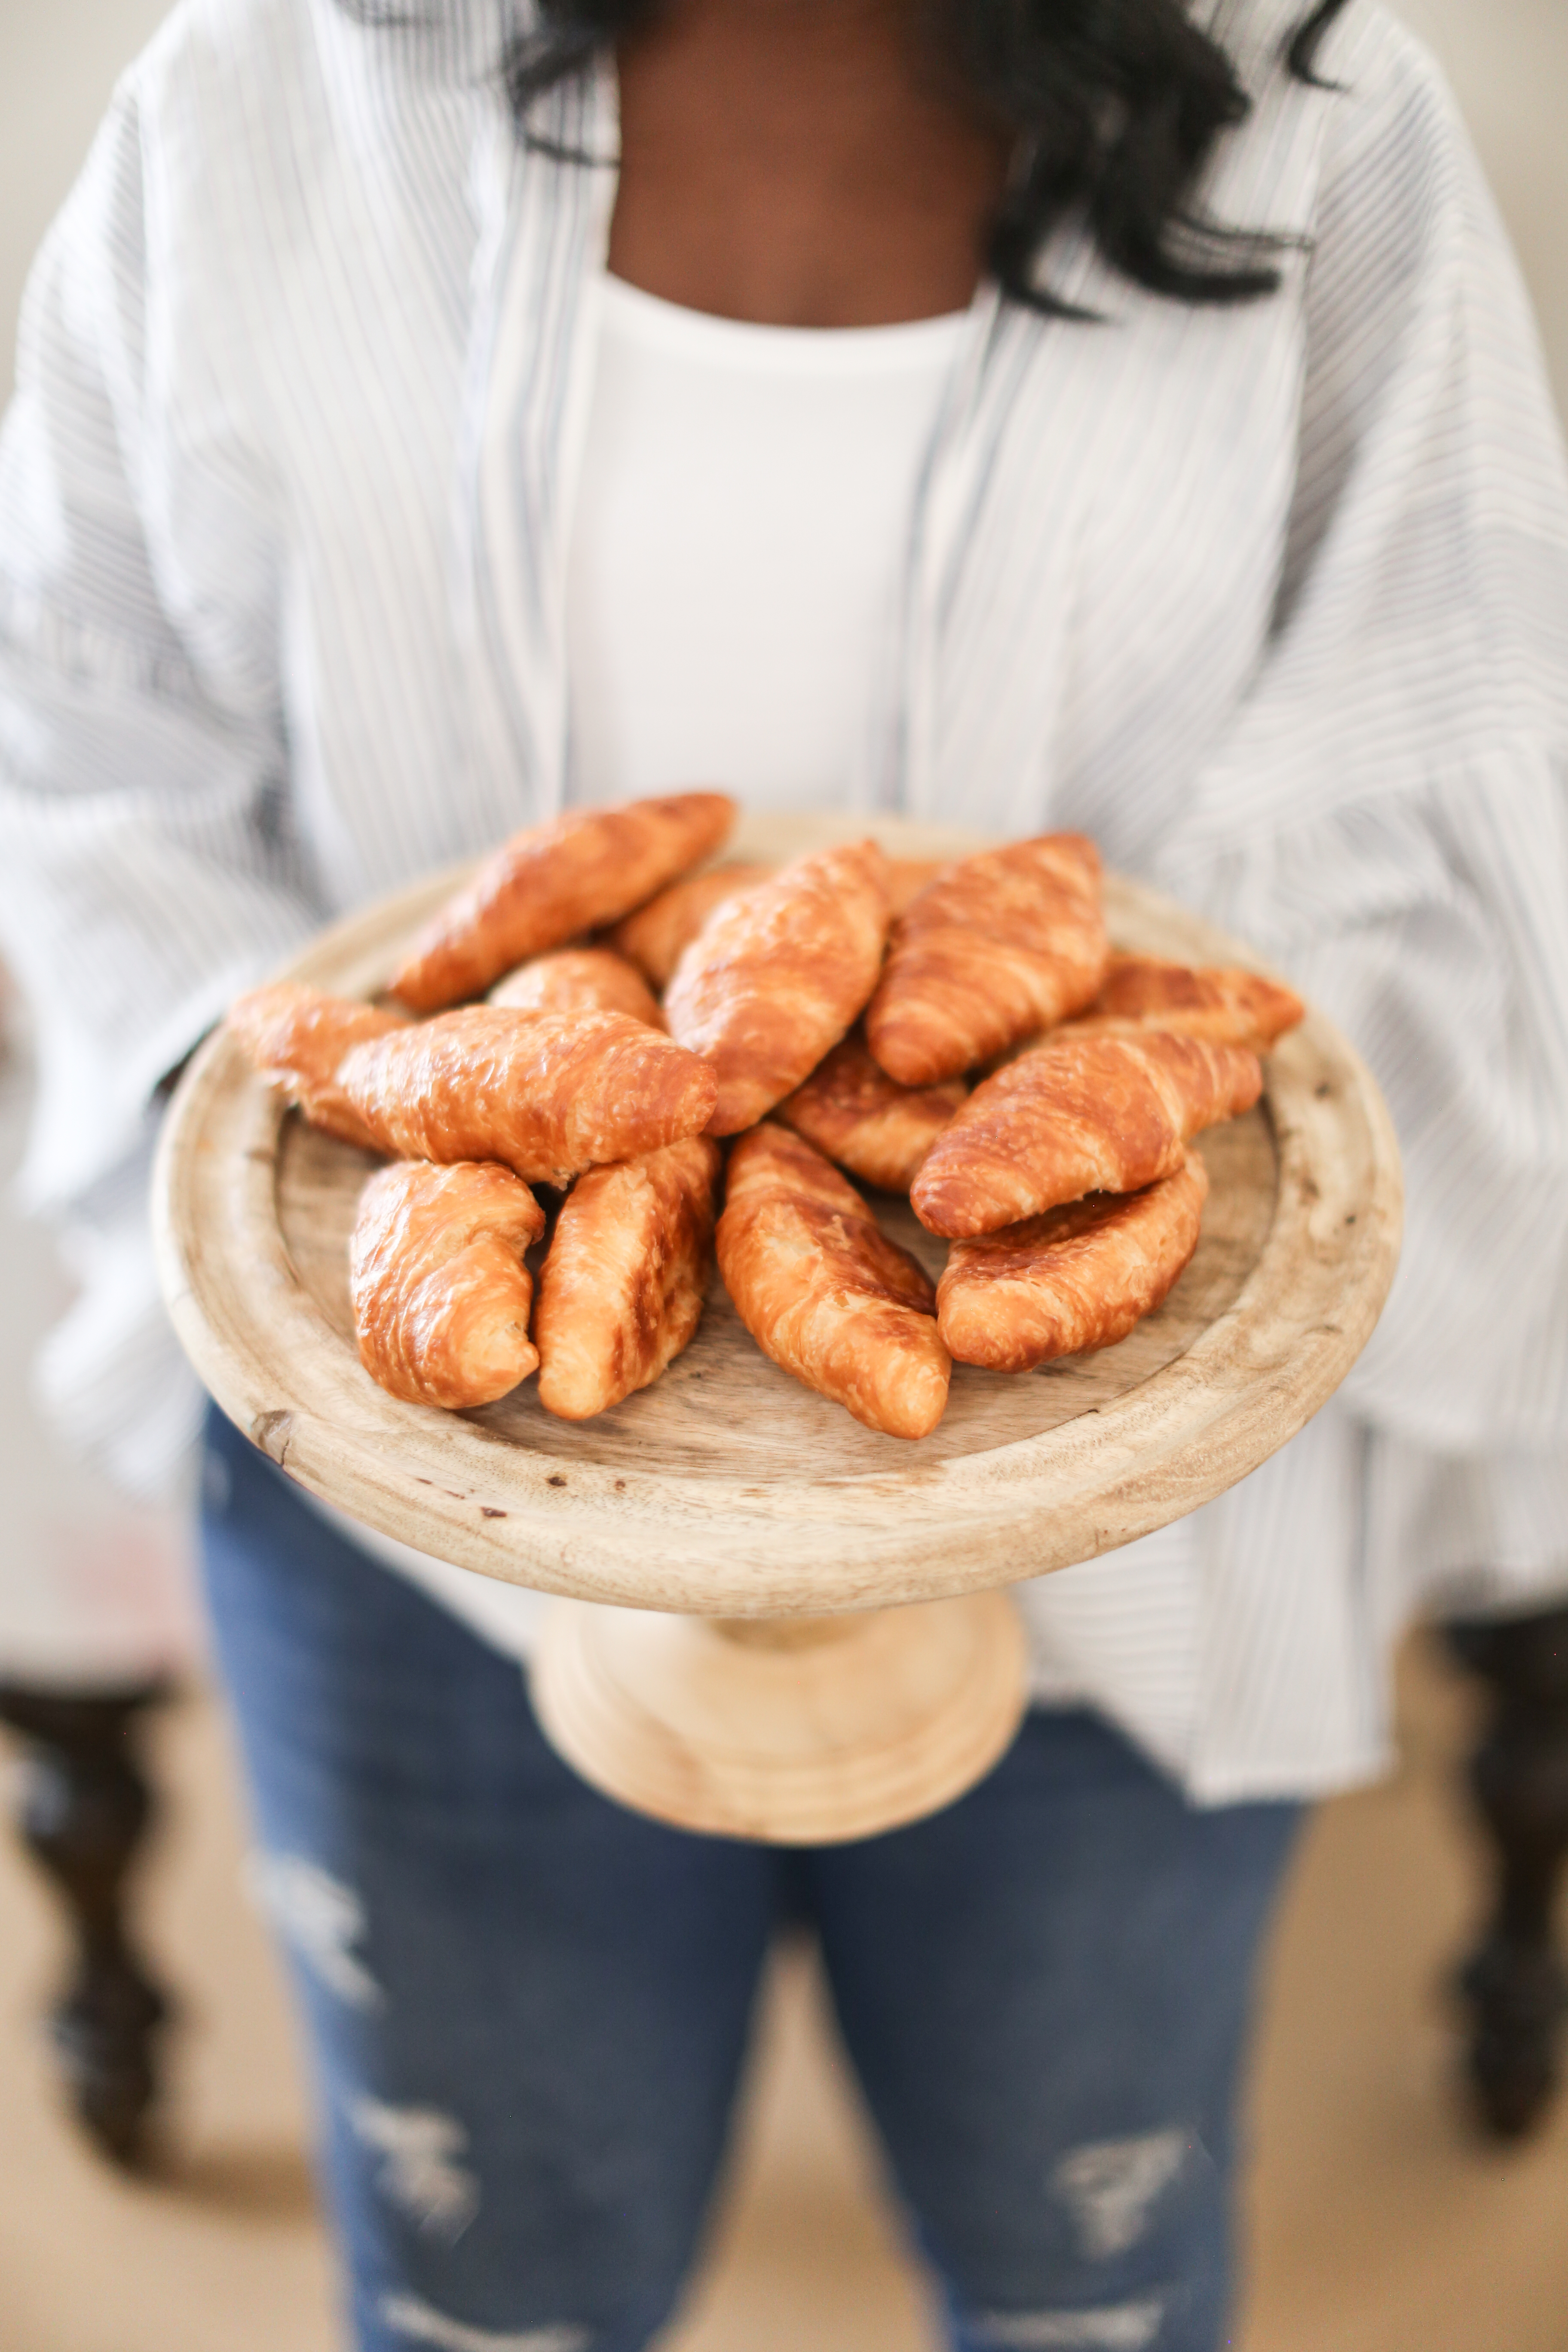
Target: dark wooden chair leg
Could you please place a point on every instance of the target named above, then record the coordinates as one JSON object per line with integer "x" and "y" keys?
{"x": 1515, "y": 1984}
{"x": 84, "y": 1812}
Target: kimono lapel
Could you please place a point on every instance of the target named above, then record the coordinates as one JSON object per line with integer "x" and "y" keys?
{"x": 543, "y": 232}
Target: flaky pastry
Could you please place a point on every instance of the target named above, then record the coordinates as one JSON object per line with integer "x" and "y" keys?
{"x": 853, "y": 1111}
{"x": 586, "y": 869}
{"x": 824, "y": 1292}
{"x": 547, "y": 1094}
{"x": 1219, "y": 1002}
{"x": 621, "y": 1291}
{"x": 579, "y": 980}
{"x": 297, "y": 1036}
{"x": 1090, "y": 1113}
{"x": 1075, "y": 1279}
{"x": 775, "y": 977}
{"x": 440, "y": 1293}
{"x": 996, "y": 947}
{"x": 658, "y": 935}
{"x": 908, "y": 876}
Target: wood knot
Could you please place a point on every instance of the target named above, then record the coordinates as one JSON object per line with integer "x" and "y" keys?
{"x": 273, "y": 1434}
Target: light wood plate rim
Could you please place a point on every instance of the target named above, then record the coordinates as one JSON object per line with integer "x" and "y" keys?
{"x": 719, "y": 1546}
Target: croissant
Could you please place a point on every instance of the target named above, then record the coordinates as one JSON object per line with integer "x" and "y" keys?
{"x": 998, "y": 947}
{"x": 824, "y": 1292}
{"x": 776, "y": 976}
{"x": 1077, "y": 1278}
{"x": 1228, "y": 1006}
{"x": 1093, "y": 1113}
{"x": 908, "y": 876}
{"x": 656, "y": 937}
{"x": 621, "y": 1290}
{"x": 547, "y": 1094}
{"x": 297, "y": 1036}
{"x": 579, "y": 980}
{"x": 439, "y": 1290}
{"x": 854, "y": 1112}
{"x": 545, "y": 885}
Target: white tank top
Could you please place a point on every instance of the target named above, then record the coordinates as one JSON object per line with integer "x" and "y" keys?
{"x": 741, "y": 526}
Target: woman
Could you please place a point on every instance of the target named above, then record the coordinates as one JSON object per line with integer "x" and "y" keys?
{"x": 1020, "y": 414}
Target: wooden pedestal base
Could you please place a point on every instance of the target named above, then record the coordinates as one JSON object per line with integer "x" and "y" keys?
{"x": 797, "y": 1731}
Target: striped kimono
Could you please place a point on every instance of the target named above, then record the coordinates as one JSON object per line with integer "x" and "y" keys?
{"x": 1272, "y": 601}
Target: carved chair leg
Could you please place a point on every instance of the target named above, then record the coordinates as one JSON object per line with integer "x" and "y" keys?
{"x": 84, "y": 1810}
{"x": 1515, "y": 1983}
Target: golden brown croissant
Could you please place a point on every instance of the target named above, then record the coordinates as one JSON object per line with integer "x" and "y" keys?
{"x": 654, "y": 936}
{"x": 824, "y": 1292}
{"x": 579, "y": 980}
{"x": 908, "y": 876}
{"x": 621, "y": 1291}
{"x": 547, "y": 1094}
{"x": 657, "y": 936}
{"x": 543, "y": 887}
{"x": 1075, "y": 1279}
{"x": 854, "y": 1112}
{"x": 1089, "y": 1113}
{"x": 998, "y": 947}
{"x": 775, "y": 977}
{"x": 1228, "y": 1006}
{"x": 297, "y": 1036}
{"x": 440, "y": 1291}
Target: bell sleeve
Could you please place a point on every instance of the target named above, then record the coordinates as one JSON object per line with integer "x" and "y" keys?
{"x": 147, "y": 866}
{"x": 1387, "y": 818}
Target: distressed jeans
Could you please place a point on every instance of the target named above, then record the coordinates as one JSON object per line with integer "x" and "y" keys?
{"x": 528, "y": 2007}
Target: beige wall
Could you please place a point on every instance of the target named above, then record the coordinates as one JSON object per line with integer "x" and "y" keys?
{"x": 1508, "y": 59}
{"x": 58, "y": 60}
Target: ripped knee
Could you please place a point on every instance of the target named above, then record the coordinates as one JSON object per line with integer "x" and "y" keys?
{"x": 320, "y": 1919}
{"x": 421, "y": 2171}
{"x": 1110, "y": 2186}
{"x": 421, "y": 2322}
{"x": 1117, "y": 2328}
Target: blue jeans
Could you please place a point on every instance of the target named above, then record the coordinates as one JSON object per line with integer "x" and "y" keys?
{"x": 528, "y": 2007}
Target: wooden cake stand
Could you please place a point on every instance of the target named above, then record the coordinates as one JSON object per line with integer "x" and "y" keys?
{"x": 775, "y": 1623}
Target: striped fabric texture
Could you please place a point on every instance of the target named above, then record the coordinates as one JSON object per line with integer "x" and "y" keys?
{"x": 1274, "y": 601}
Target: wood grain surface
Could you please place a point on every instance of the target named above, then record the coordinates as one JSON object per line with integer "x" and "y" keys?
{"x": 799, "y": 1731}
{"x": 727, "y": 1489}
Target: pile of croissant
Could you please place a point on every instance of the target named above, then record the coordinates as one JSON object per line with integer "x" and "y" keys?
{"x": 828, "y": 1016}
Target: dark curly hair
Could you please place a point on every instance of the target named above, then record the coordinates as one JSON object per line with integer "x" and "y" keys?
{"x": 1115, "y": 105}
